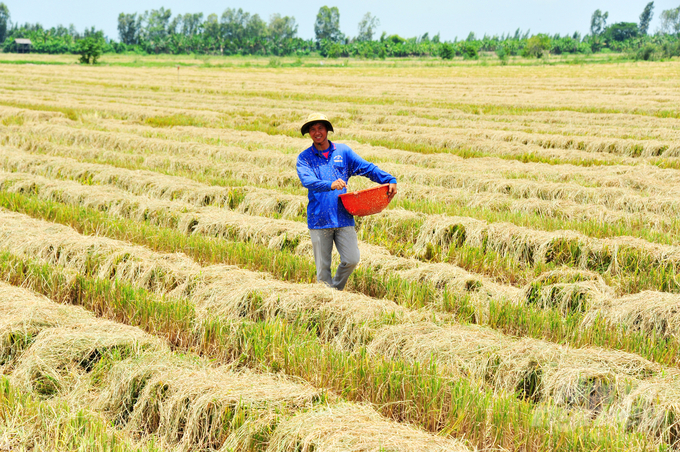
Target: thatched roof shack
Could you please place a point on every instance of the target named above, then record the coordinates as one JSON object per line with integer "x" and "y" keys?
{"x": 23, "y": 45}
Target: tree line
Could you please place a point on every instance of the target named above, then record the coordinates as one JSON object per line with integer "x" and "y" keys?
{"x": 236, "y": 32}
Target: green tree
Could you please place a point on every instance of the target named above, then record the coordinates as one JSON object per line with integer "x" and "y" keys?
{"x": 239, "y": 26}
{"x": 156, "y": 24}
{"x": 90, "y": 49}
{"x": 446, "y": 51}
{"x": 4, "y": 21}
{"x": 646, "y": 18}
{"x": 621, "y": 31}
{"x": 537, "y": 45}
{"x": 233, "y": 23}
{"x": 502, "y": 54}
{"x": 469, "y": 50}
{"x": 192, "y": 24}
{"x": 598, "y": 22}
{"x": 282, "y": 27}
{"x": 256, "y": 28}
{"x": 129, "y": 28}
{"x": 670, "y": 21}
{"x": 211, "y": 26}
{"x": 647, "y": 53}
{"x": 89, "y": 33}
{"x": 395, "y": 39}
{"x": 367, "y": 27}
{"x": 327, "y": 24}
{"x": 212, "y": 33}
{"x": 187, "y": 25}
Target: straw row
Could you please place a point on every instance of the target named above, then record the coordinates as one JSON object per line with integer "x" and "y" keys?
{"x": 424, "y": 90}
{"x": 266, "y": 150}
{"x": 268, "y": 202}
{"x": 220, "y": 143}
{"x": 423, "y": 395}
{"x": 609, "y": 255}
{"x": 252, "y": 148}
{"x": 276, "y": 234}
{"x": 163, "y": 99}
{"x": 571, "y": 291}
{"x": 437, "y": 233}
{"x": 628, "y": 147}
{"x": 450, "y": 232}
{"x": 527, "y": 366}
{"x": 570, "y": 391}
{"x": 224, "y": 289}
{"x": 565, "y": 122}
{"x": 186, "y": 403}
{"x": 517, "y": 142}
{"x": 499, "y": 119}
{"x": 618, "y": 81}
{"x": 656, "y": 208}
{"x": 568, "y": 291}
{"x": 623, "y": 199}
{"x": 158, "y": 185}
{"x": 17, "y": 116}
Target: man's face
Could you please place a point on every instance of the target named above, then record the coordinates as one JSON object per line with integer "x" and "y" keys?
{"x": 318, "y": 133}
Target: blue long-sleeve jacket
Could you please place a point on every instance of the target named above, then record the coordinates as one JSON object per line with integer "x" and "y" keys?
{"x": 317, "y": 173}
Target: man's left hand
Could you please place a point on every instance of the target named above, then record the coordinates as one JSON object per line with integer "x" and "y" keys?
{"x": 391, "y": 191}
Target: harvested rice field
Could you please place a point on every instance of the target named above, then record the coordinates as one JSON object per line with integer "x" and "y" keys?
{"x": 158, "y": 288}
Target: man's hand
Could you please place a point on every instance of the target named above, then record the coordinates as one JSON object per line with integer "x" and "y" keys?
{"x": 338, "y": 185}
{"x": 391, "y": 191}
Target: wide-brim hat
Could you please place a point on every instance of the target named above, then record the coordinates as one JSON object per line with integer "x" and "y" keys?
{"x": 313, "y": 119}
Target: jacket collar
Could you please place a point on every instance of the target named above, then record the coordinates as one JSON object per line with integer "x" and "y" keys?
{"x": 330, "y": 149}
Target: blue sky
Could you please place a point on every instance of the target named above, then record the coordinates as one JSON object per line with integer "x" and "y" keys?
{"x": 404, "y": 17}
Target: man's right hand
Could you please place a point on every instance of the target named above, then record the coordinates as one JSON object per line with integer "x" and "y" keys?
{"x": 338, "y": 185}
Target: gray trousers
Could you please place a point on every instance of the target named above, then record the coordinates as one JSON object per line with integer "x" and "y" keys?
{"x": 345, "y": 240}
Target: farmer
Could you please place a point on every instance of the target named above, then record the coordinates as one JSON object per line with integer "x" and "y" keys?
{"x": 324, "y": 169}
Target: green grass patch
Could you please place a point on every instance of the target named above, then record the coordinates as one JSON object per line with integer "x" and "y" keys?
{"x": 38, "y": 62}
{"x": 13, "y": 120}
{"x": 29, "y": 423}
{"x": 71, "y": 113}
{"x": 174, "y": 120}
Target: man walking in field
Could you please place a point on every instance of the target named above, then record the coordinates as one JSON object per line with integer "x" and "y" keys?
{"x": 324, "y": 169}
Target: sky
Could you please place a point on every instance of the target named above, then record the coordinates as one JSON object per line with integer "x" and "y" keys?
{"x": 407, "y": 18}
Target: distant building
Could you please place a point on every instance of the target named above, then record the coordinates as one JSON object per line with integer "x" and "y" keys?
{"x": 23, "y": 45}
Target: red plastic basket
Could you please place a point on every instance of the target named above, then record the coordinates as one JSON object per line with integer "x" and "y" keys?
{"x": 366, "y": 202}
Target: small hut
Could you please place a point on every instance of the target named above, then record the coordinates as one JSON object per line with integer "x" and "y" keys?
{"x": 23, "y": 45}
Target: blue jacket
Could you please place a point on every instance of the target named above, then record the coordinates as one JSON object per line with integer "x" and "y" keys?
{"x": 317, "y": 173}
